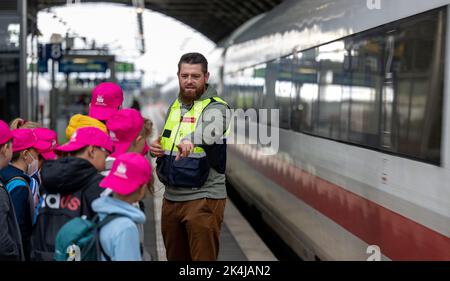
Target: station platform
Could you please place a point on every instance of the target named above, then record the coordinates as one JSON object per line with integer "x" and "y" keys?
{"x": 238, "y": 240}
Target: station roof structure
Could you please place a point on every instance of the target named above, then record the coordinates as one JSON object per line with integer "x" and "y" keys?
{"x": 216, "y": 19}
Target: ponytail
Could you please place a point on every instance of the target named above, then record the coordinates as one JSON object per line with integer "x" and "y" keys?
{"x": 20, "y": 123}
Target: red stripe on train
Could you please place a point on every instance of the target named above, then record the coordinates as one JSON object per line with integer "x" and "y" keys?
{"x": 398, "y": 237}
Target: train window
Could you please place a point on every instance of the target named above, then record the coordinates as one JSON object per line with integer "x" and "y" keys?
{"x": 258, "y": 84}
{"x": 364, "y": 72}
{"x": 417, "y": 52}
{"x": 381, "y": 89}
{"x": 283, "y": 98}
{"x": 296, "y": 108}
{"x": 271, "y": 75}
{"x": 330, "y": 59}
{"x": 305, "y": 73}
{"x": 230, "y": 90}
{"x": 349, "y": 81}
{"x": 283, "y": 89}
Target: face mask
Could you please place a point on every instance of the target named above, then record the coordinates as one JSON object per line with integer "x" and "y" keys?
{"x": 33, "y": 167}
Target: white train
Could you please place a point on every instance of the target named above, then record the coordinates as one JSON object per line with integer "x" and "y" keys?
{"x": 362, "y": 170}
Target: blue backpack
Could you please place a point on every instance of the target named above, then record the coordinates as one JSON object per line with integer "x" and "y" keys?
{"x": 35, "y": 198}
{"x": 79, "y": 239}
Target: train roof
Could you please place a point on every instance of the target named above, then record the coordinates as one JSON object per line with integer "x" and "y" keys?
{"x": 296, "y": 25}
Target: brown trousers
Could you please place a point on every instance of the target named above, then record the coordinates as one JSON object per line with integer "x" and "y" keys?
{"x": 191, "y": 229}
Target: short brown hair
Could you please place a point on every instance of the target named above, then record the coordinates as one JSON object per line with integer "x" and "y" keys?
{"x": 194, "y": 58}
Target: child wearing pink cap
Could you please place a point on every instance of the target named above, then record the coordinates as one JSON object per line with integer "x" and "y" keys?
{"x": 128, "y": 180}
{"x": 47, "y": 141}
{"x": 70, "y": 185}
{"x": 17, "y": 179}
{"x": 35, "y": 182}
{"x": 5, "y": 145}
{"x": 10, "y": 240}
{"x": 47, "y": 138}
{"x": 129, "y": 132}
{"x": 107, "y": 99}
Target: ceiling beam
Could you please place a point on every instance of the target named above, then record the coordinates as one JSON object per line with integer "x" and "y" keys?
{"x": 214, "y": 18}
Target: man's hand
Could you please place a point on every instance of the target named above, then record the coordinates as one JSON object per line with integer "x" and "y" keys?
{"x": 156, "y": 149}
{"x": 184, "y": 149}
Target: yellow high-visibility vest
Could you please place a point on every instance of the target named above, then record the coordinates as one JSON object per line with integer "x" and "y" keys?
{"x": 191, "y": 171}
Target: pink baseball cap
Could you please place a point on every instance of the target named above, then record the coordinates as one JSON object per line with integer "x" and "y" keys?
{"x": 107, "y": 97}
{"x": 124, "y": 127}
{"x": 87, "y": 136}
{"x": 48, "y": 139}
{"x": 129, "y": 172}
{"x": 24, "y": 139}
{"x": 5, "y": 133}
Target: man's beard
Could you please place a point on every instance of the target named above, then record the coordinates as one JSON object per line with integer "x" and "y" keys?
{"x": 198, "y": 93}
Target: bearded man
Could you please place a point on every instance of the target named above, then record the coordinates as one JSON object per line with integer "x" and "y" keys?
{"x": 191, "y": 164}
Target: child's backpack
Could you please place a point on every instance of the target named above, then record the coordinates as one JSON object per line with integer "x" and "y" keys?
{"x": 79, "y": 239}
